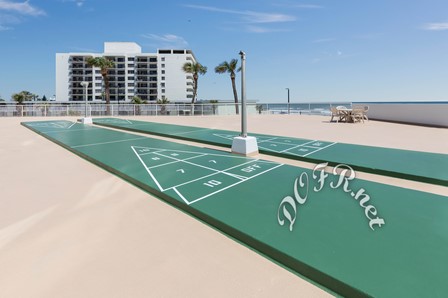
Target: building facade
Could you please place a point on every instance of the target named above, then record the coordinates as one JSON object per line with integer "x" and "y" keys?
{"x": 150, "y": 76}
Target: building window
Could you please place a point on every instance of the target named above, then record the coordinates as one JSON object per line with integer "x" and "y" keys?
{"x": 163, "y": 90}
{"x": 130, "y": 71}
{"x": 130, "y": 65}
{"x": 130, "y": 84}
{"x": 130, "y": 78}
{"x": 163, "y": 78}
{"x": 163, "y": 58}
{"x": 130, "y": 58}
{"x": 97, "y": 84}
{"x": 163, "y": 71}
{"x": 162, "y": 85}
{"x": 98, "y": 78}
{"x": 163, "y": 65}
{"x": 97, "y": 71}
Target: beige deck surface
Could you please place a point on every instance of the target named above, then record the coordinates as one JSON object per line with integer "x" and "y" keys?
{"x": 71, "y": 229}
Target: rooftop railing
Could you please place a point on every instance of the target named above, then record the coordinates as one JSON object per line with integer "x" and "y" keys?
{"x": 51, "y": 109}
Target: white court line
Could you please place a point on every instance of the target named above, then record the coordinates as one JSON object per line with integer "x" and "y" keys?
{"x": 212, "y": 174}
{"x": 83, "y": 129}
{"x": 227, "y": 137}
{"x": 183, "y": 151}
{"x": 191, "y": 181}
{"x": 147, "y": 153}
{"x": 227, "y": 187}
{"x": 111, "y": 142}
{"x": 159, "y": 152}
{"x": 51, "y": 125}
{"x": 242, "y": 178}
{"x": 269, "y": 140}
{"x": 297, "y": 146}
{"x": 181, "y": 133}
{"x": 113, "y": 121}
{"x": 239, "y": 177}
{"x": 319, "y": 149}
{"x": 211, "y": 169}
{"x": 284, "y": 143}
{"x": 168, "y": 163}
{"x": 181, "y": 196}
{"x": 147, "y": 170}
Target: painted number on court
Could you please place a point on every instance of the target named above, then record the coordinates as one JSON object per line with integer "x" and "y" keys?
{"x": 212, "y": 183}
{"x": 251, "y": 168}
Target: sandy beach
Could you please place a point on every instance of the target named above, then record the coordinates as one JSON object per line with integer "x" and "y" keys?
{"x": 70, "y": 229}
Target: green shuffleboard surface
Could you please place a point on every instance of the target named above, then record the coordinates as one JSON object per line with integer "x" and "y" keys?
{"x": 406, "y": 164}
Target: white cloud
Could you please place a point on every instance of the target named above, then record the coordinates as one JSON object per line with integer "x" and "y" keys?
{"x": 23, "y": 8}
{"x": 168, "y": 40}
{"x": 436, "y": 26}
{"x": 4, "y": 28}
{"x": 249, "y": 16}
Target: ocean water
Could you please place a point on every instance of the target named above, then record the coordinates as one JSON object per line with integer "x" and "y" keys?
{"x": 303, "y": 108}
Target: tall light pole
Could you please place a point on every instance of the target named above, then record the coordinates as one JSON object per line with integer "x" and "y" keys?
{"x": 288, "y": 100}
{"x": 243, "y": 144}
{"x": 85, "y": 85}
{"x": 243, "y": 96}
{"x": 86, "y": 120}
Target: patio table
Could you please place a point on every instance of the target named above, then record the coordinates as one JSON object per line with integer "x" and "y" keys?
{"x": 346, "y": 114}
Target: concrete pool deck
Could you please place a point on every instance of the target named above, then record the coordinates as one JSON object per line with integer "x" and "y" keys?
{"x": 68, "y": 228}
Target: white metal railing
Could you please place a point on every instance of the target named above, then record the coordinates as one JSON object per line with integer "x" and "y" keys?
{"x": 183, "y": 109}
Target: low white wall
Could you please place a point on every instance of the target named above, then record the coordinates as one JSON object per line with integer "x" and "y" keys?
{"x": 426, "y": 113}
{"x": 229, "y": 109}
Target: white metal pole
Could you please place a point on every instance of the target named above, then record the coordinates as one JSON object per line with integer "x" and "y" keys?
{"x": 85, "y": 85}
{"x": 243, "y": 95}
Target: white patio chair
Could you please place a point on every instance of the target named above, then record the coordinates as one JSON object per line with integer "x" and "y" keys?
{"x": 335, "y": 113}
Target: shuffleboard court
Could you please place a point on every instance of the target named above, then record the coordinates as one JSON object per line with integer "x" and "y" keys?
{"x": 412, "y": 165}
{"x": 354, "y": 237}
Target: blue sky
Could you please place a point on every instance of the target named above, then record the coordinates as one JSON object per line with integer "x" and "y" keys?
{"x": 323, "y": 50}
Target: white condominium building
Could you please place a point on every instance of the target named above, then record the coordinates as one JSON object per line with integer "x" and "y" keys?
{"x": 150, "y": 76}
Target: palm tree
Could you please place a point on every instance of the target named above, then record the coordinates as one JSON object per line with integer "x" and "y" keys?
{"x": 138, "y": 101}
{"x": 230, "y": 67}
{"x": 19, "y": 97}
{"x": 103, "y": 64}
{"x": 162, "y": 102}
{"x": 196, "y": 69}
{"x": 214, "y": 103}
{"x": 22, "y": 96}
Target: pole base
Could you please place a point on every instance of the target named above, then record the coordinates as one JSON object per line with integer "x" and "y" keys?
{"x": 245, "y": 146}
{"x": 86, "y": 120}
